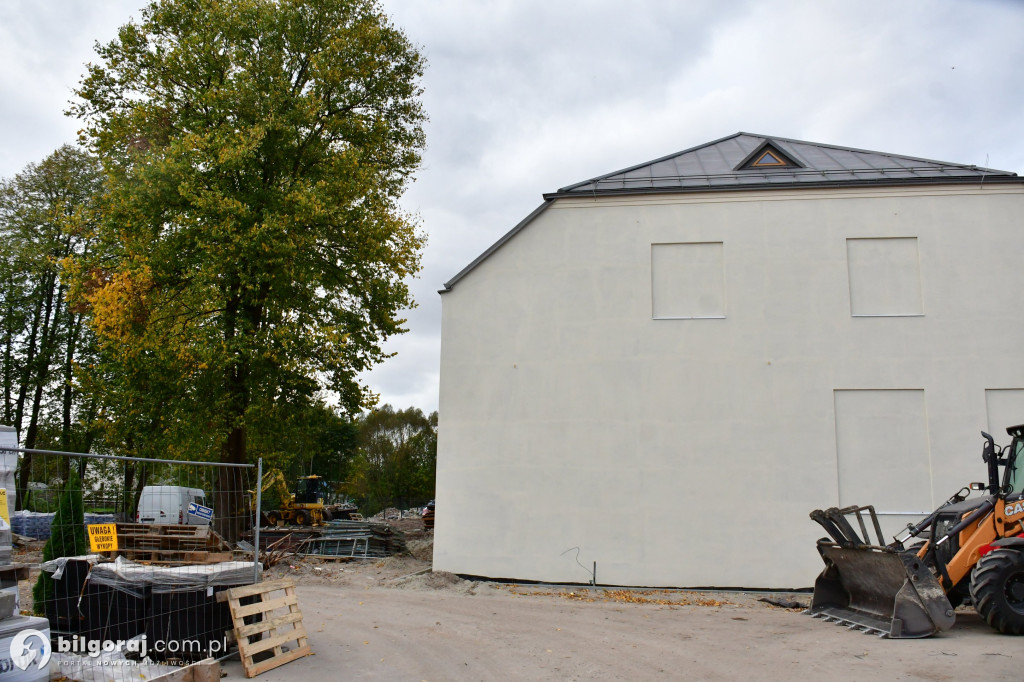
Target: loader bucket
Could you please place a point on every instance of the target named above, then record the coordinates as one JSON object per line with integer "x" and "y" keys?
{"x": 879, "y": 591}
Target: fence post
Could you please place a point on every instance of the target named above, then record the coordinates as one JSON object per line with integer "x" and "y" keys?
{"x": 256, "y": 522}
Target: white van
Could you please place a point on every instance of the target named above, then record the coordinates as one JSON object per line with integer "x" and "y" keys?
{"x": 167, "y": 504}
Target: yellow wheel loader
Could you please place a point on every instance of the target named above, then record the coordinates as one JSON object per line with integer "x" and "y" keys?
{"x": 304, "y": 507}
{"x": 967, "y": 549}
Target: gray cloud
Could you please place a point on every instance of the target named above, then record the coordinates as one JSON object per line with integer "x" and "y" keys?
{"x": 526, "y": 97}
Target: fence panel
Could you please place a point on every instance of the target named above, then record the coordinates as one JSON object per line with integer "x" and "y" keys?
{"x": 124, "y": 558}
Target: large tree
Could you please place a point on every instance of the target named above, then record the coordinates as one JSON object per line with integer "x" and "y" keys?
{"x": 45, "y": 214}
{"x": 251, "y": 254}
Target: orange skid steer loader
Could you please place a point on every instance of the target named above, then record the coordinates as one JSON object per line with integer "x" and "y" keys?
{"x": 967, "y": 549}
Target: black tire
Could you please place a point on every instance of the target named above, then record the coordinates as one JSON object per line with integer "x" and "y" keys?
{"x": 273, "y": 518}
{"x": 997, "y": 589}
{"x": 300, "y": 519}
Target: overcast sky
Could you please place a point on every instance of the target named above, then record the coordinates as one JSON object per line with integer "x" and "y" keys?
{"x": 528, "y": 96}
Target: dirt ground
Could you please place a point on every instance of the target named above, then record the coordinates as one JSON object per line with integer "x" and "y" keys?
{"x": 379, "y": 620}
{"x": 393, "y": 619}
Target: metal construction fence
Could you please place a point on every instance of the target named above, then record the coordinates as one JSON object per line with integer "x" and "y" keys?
{"x": 119, "y": 560}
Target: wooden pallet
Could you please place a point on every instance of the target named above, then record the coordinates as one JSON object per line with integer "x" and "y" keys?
{"x": 171, "y": 545}
{"x": 272, "y": 630}
{"x": 173, "y": 557}
{"x": 163, "y": 529}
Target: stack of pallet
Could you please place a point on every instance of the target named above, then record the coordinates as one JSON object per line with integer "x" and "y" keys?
{"x": 170, "y": 545}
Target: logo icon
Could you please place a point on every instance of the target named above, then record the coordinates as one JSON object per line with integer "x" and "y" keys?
{"x": 22, "y": 654}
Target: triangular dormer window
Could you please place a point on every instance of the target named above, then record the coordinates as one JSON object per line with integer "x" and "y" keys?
{"x": 768, "y": 159}
{"x": 767, "y": 155}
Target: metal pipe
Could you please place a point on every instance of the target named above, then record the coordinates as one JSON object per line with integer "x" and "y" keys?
{"x": 33, "y": 451}
{"x": 256, "y": 522}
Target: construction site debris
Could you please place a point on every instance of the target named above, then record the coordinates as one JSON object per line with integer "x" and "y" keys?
{"x": 343, "y": 511}
{"x": 393, "y": 514}
{"x": 333, "y": 540}
{"x": 428, "y": 515}
{"x": 785, "y": 603}
{"x": 22, "y": 540}
{"x": 276, "y": 551}
{"x": 354, "y": 540}
{"x": 622, "y": 596}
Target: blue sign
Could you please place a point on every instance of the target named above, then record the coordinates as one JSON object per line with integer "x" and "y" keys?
{"x": 200, "y": 511}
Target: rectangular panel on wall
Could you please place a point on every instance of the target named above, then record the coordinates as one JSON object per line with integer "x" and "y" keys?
{"x": 885, "y": 277}
{"x": 1005, "y": 407}
{"x": 688, "y": 280}
{"x": 882, "y": 450}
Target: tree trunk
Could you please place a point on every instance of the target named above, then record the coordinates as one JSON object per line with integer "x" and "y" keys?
{"x": 26, "y": 374}
{"x": 229, "y": 498}
{"x": 143, "y": 479}
{"x": 69, "y": 375}
{"x": 49, "y": 334}
{"x": 230, "y": 510}
{"x": 9, "y": 370}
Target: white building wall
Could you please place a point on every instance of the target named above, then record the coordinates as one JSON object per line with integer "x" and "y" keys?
{"x": 689, "y": 452}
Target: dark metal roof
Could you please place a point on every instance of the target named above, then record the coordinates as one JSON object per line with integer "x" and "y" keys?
{"x": 718, "y": 165}
{"x": 723, "y": 165}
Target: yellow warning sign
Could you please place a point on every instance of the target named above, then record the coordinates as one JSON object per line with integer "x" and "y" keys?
{"x": 103, "y": 537}
{"x": 4, "y": 512}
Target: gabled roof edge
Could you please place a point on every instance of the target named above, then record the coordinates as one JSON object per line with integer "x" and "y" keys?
{"x": 997, "y": 177}
{"x": 495, "y": 246}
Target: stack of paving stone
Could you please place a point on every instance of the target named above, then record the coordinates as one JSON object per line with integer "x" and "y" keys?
{"x": 37, "y": 525}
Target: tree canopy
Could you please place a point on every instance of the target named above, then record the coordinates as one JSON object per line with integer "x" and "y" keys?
{"x": 249, "y": 250}
{"x": 45, "y": 214}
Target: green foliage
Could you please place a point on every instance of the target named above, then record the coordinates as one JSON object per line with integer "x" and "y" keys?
{"x": 44, "y": 219}
{"x": 302, "y": 438}
{"x": 316, "y": 440}
{"x": 250, "y": 254}
{"x": 67, "y": 538}
{"x": 396, "y": 462}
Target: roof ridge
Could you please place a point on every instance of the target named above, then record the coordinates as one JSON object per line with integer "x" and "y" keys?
{"x": 852, "y": 160}
{"x": 886, "y": 154}
{"x": 603, "y": 176}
